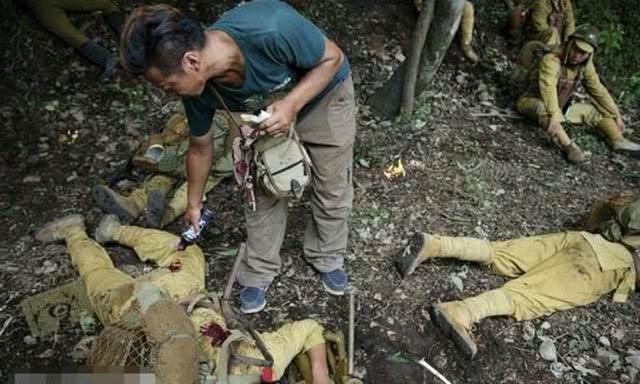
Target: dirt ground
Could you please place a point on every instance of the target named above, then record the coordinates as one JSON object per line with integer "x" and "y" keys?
{"x": 66, "y": 129}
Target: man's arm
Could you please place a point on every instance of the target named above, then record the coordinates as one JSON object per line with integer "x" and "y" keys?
{"x": 603, "y": 100}
{"x": 199, "y": 162}
{"x": 283, "y": 112}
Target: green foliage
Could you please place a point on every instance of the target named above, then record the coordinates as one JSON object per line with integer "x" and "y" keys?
{"x": 618, "y": 56}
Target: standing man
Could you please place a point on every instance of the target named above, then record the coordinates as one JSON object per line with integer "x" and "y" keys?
{"x": 254, "y": 53}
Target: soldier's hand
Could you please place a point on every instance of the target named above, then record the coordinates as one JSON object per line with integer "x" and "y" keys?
{"x": 620, "y": 123}
{"x": 192, "y": 217}
{"x": 282, "y": 115}
{"x": 554, "y": 128}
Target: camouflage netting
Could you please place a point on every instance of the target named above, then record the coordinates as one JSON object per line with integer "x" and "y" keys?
{"x": 121, "y": 347}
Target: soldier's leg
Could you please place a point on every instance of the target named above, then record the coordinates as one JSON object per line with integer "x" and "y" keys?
{"x": 542, "y": 290}
{"x": 550, "y": 37}
{"x": 130, "y": 207}
{"x": 177, "y": 206}
{"x": 52, "y": 15}
{"x": 286, "y": 343}
{"x": 466, "y": 32}
{"x": 109, "y": 290}
{"x": 509, "y": 258}
{"x": 588, "y": 114}
{"x": 534, "y": 109}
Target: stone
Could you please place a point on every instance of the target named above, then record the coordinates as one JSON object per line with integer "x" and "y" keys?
{"x": 607, "y": 357}
{"x": 548, "y": 350}
{"x": 633, "y": 360}
{"x": 47, "y": 354}
{"x": 31, "y": 179}
{"x": 528, "y": 331}
{"x": 30, "y": 340}
{"x": 545, "y": 325}
{"x": 604, "y": 341}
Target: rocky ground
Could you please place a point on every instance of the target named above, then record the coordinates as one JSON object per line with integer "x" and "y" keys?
{"x": 66, "y": 129}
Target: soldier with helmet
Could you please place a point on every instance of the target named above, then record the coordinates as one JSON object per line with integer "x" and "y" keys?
{"x": 554, "y": 81}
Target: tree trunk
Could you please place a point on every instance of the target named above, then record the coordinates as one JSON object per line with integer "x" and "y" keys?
{"x": 413, "y": 63}
{"x": 387, "y": 100}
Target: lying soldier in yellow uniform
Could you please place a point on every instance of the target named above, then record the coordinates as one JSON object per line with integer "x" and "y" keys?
{"x": 163, "y": 155}
{"x": 541, "y": 267}
{"x": 552, "y": 85}
{"x": 465, "y": 29}
{"x": 151, "y": 302}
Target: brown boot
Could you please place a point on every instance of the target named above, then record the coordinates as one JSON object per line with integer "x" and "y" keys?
{"x": 413, "y": 254}
{"x": 106, "y": 227}
{"x": 574, "y": 153}
{"x": 112, "y": 202}
{"x": 56, "y": 230}
{"x": 455, "y": 320}
{"x": 156, "y": 206}
{"x": 469, "y": 53}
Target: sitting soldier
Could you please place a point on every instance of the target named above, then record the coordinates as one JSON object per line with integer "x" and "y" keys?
{"x": 465, "y": 29}
{"x": 594, "y": 264}
{"x": 163, "y": 156}
{"x": 151, "y": 302}
{"x": 53, "y": 15}
{"x": 552, "y": 86}
{"x": 548, "y": 21}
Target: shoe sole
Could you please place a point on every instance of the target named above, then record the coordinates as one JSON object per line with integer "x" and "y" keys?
{"x": 407, "y": 258}
{"x": 253, "y": 310}
{"x": 442, "y": 321}
{"x": 107, "y": 202}
{"x": 333, "y": 291}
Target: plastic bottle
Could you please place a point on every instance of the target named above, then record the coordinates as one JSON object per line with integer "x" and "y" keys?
{"x": 189, "y": 236}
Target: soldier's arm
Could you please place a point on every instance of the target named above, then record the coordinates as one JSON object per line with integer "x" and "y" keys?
{"x": 540, "y": 16}
{"x": 549, "y": 72}
{"x": 570, "y": 21}
{"x": 602, "y": 98}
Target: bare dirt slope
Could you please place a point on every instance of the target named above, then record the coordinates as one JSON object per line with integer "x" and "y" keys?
{"x": 66, "y": 129}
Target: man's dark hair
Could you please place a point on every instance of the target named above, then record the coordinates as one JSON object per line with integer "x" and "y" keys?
{"x": 158, "y": 36}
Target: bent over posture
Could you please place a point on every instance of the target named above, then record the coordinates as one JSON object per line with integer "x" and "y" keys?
{"x": 120, "y": 300}
{"x": 550, "y": 273}
{"x": 260, "y": 55}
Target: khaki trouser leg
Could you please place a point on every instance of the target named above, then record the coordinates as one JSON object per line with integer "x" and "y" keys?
{"x": 512, "y": 258}
{"x": 177, "y": 206}
{"x": 51, "y": 14}
{"x": 265, "y": 232}
{"x": 584, "y": 113}
{"x": 570, "y": 278}
{"x": 326, "y": 235}
{"x": 466, "y": 24}
{"x": 159, "y": 247}
{"x": 110, "y": 290}
{"x": 533, "y": 108}
{"x": 284, "y": 345}
{"x": 158, "y": 182}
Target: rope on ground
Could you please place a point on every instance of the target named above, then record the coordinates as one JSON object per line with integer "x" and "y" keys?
{"x": 434, "y": 371}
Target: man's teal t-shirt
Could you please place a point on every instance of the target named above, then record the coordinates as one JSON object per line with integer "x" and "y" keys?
{"x": 279, "y": 46}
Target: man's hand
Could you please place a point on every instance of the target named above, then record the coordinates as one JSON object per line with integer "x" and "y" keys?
{"x": 554, "y": 128}
{"x": 620, "y": 123}
{"x": 283, "y": 113}
{"x": 192, "y": 217}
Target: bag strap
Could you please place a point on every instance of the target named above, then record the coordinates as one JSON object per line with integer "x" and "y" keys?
{"x": 224, "y": 105}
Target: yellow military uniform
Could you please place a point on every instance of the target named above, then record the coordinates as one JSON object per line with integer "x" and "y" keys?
{"x": 175, "y": 136}
{"x": 552, "y": 21}
{"x": 551, "y": 87}
{"x": 180, "y": 274}
{"x": 465, "y": 29}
